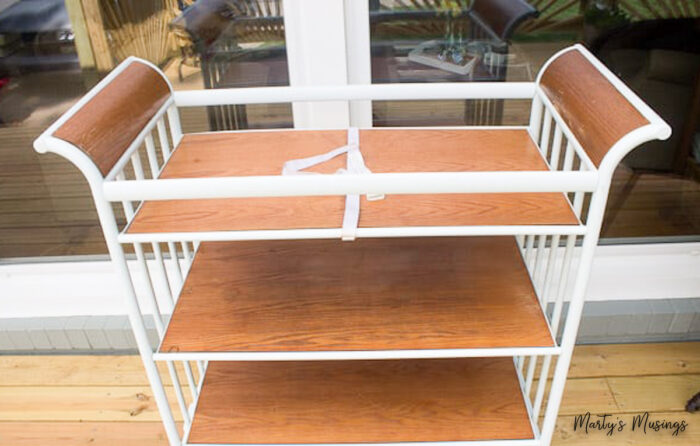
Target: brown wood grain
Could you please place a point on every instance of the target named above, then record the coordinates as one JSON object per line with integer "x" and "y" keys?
{"x": 595, "y": 111}
{"x": 360, "y": 401}
{"x": 371, "y": 294}
{"x": 264, "y": 153}
{"x": 105, "y": 126}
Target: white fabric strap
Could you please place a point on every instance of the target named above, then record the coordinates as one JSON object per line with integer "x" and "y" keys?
{"x": 355, "y": 165}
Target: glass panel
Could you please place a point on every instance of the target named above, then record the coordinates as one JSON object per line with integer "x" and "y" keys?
{"x": 654, "y": 46}
{"x": 53, "y": 51}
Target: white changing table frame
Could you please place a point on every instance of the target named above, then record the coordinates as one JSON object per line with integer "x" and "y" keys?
{"x": 547, "y": 249}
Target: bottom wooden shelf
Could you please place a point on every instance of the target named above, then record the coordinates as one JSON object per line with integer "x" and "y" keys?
{"x": 360, "y": 402}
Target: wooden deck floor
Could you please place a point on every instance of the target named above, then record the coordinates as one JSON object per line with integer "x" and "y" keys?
{"x": 106, "y": 400}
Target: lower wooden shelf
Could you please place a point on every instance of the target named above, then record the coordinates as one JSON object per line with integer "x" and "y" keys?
{"x": 360, "y": 402}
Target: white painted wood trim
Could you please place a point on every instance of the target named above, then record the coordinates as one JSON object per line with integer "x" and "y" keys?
{"x": 357, "y": 47}
{"x": 645, "y": 271}
{"x": 315, "y": 42}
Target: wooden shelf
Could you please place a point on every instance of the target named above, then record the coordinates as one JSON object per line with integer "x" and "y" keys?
{"x": 360, "y": 402}
{"x": 371, "y": 294}
{"x": 384, "y": 150}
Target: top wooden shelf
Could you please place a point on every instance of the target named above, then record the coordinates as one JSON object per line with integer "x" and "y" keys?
{"x": 226, "y": 154}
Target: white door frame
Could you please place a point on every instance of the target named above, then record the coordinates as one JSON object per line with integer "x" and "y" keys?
{"x": 327, "y": 43}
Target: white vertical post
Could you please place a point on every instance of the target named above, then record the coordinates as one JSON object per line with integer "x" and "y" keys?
{"x": 315, "y": 39}
{"x": 152, "y": 156}
{"x": 535, "y": 118}
{"x": 556, "y": 149}
{"x": 174, "y": 122}
{"x": 546, "y": 130}
{"x": 357, "y": 47}
{"x": 163, "y": 137}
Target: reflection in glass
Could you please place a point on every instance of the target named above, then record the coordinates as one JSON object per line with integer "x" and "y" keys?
{"x": 238, "y": 44}
{"x": 53, "y": 51}
{"x": 654, "y": 46}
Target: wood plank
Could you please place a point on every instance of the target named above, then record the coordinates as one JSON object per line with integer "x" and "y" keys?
{"x": 360, "y": 401}
{"x": 606, "y": 360}
{"x": 593, "y": 394}
{"x": 98, "y": 37}
{"x": 594, "y": 110}
{"x": 384, "y": 150}
{"x": 82, "y": 403}
{"x": 664, "y": 393}
{"x": 77, "y": 433}
{"x": 80, "y": 31}
{"x": 565, "y": 434}
{"x": 626, "y": 394}
{"x": 371, "y": 294}
{"x": 73, "y": 370}
{"x": 664, "y": 358}
{"x": 79, "y": 370}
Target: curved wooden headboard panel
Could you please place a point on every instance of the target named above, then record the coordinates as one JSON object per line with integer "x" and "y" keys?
{"x": 108, "y": 123}
{"x": 595, "y": 111}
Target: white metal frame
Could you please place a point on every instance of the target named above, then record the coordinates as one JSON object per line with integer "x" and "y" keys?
{"x": 547, "y": 250}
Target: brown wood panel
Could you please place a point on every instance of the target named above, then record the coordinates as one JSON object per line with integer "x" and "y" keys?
{"x": 384, "y": 150}
{"x": 360, "y": 401}
{"x": 595, "y": 111}
{"x": 371, "y": 294}
{"x": 105, "y": 126}
{"x": 264, "y": 153}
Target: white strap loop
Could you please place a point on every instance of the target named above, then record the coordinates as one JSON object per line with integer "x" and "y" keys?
{"x": 355, "y": 165}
